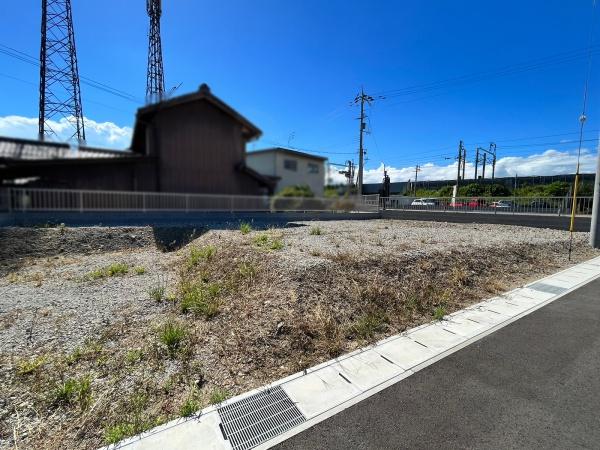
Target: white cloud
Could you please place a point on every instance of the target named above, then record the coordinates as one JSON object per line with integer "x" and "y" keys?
{"x": 98, "y": 134}
{"x": 550, "y": 162}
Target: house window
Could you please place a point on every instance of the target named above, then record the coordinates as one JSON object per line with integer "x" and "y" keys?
{"x": 313, "y": 168}
{"x": 290, "y": 164}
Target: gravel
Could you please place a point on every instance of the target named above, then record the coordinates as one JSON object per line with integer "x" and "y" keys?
{"x": 323, "y": 277}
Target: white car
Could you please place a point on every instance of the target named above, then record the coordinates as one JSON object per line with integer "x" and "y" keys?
{"x": 423, "y": 202}
{"x": 502, "y": 204}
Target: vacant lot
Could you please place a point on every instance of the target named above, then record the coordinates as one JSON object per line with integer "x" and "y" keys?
{"x": 103, "y": 335}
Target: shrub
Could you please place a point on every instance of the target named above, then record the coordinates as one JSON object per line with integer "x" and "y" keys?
{"x": 172, "y": 335}
{"x": 261, "y": 240}
{"x": 245, "y": 227}
{"x": 296, "y": 191}
{"x": 276, "y": 244}
{"x": 218, "y": 396}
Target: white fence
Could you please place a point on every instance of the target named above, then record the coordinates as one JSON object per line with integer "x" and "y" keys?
{"x": 494, "y": 205}
{"x": 26, "y": 200}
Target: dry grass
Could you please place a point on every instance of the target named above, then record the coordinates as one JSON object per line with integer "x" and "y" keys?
{"x": 242, "y": 315}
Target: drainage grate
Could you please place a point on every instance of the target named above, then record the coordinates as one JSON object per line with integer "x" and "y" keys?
{"x": 258, "y": 418}
{"x": 548, "y": 288}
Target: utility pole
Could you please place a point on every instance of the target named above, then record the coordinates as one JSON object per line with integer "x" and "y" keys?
{"x": 460, "y": 158}
{"x": 476, "y": 162}
{"x": 595, "y": 228}
{"x": 417, "y": 170}
{"x": 60, "y": 95}
{"x": 361, "y": 98}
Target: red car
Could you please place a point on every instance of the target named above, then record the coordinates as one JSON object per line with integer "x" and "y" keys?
{"x": 474, "y": 203}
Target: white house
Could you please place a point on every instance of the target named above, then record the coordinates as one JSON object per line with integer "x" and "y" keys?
{"x": 291, "y": 167}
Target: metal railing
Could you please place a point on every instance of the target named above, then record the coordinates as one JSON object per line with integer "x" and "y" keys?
{"x": 492, "y": 205}
{"x": 37, "y": 200}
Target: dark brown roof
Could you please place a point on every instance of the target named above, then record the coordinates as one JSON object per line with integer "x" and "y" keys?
{"x": 250, "y": 130}
{"x": 289, "y": 152}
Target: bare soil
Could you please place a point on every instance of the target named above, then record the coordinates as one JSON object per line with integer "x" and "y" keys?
{"x": 85, "y": 354}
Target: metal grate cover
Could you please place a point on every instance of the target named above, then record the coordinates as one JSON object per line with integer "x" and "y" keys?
{"x": 547, "y": 288}
{"x": 258, "y": 418}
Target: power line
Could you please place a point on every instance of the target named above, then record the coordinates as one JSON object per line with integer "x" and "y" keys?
{"x": 24, "y": 57}
{"x": 558, "y": 58}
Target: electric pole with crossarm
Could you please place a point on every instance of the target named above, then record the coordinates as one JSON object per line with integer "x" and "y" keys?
{"x": 361, "y": 98}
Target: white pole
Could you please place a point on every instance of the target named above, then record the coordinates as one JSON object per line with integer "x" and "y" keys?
{"x": 595, "y": 228}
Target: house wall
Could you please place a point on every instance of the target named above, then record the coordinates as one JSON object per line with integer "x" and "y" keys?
{"x": 111, "y": 174}
{"x": 301, "y": 176}
{"x": 263, "y": 163}
{"x": 198, "y": 148}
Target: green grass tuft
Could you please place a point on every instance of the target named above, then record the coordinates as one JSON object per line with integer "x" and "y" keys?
{"x": 218, "y": 396}
{"x": 172, "y": 334}
{"x": 27, "y": 367}
{"x": 115, "y": 269}
{"x": 189, "y": 407}
{"x": 157, "y": 293}
{"x": 139, "y": 270}
{"x": 439, "y": 313}
{"x": 315, "y": 231}
{"x": 245, "y": 227}
{"x": 201, "y": 298}
{"x": 367, "y": 325}
{"x": 74, "y": 391}
{"x": 198, "y": 254}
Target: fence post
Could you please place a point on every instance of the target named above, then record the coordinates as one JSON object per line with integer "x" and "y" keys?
{"x": 80, "y": 201}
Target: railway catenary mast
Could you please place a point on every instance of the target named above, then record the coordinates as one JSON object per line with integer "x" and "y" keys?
{"x": 155, "y": 78}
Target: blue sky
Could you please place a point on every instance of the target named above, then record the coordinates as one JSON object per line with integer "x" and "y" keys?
{"x": 292, "y": 68}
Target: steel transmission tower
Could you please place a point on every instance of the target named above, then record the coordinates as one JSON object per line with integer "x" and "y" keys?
{"x": 155, "y": 79}
{"x": 60, "y": 96}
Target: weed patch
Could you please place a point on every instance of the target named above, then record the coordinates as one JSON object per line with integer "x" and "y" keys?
{"x": 115, "y": 269}
{"x": 200, "y": 298}
{"x": 172, "y": 334}
{"x": 74, "y": 391}
{"x": 218, "y": 395}
{"x": 315, "y": 231}
{"x": 367, "y": 325}
{"x": 29, "y": 366}
{"x": 245, "y": 227}
{"x": 198, "y": 254}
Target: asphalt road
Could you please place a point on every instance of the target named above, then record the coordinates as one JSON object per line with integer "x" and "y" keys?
{"x": 526, "y": 220}
{"x": 533, "y": 384}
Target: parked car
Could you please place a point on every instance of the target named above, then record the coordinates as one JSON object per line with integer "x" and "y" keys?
{"x": 423, "y": 202}
{"x": 474, "y": 203}
{"x": 502, "y": 204}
